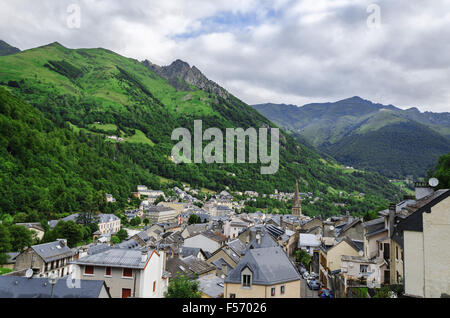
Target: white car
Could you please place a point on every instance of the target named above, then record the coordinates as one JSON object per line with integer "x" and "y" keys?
{"x": 305, "y": 275}
{"x": 313, "y": 275}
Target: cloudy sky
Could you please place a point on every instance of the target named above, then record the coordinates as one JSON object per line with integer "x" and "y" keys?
{"x": 281, "y": 51}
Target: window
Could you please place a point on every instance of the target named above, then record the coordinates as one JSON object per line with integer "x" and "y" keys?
{"x": 246, "y": 280}
{"x": 396, "y": 252}
{"x": 127, "y": 272}
{"x": 154, "y": 286}
{"x": 282, "y": 289}
{"x": 108, "y": 271}
{"x": 126, "y": 292}
{"x": 272, "y": 292}
{"x": 232, "y": 295}
{"x": 89, "y": 270}
{"x": 364, "y": 268}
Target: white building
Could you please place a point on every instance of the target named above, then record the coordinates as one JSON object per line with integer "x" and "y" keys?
{"x": 126, "y": 272}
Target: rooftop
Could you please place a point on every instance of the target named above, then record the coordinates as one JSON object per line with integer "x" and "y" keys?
{"x": 269, "y": 266}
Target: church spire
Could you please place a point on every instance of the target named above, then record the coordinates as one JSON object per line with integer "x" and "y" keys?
{"x": 296, "y": 204}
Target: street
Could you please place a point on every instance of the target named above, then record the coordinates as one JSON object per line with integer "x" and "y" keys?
{"x": 305, "y": 292}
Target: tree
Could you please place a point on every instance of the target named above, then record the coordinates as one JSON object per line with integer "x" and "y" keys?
{"x": 303, "y": 257}
{"x": 115, "y": 240}
{"x": 146, "y": 221}
{"x": 194, "y": 219}
{"x": 159, "y": 199}
{"x": 122, "y": 235}
{"x": 136, "y": 221}
{"x": 70, "y": 231}
{"x": 183, "y": 287}
{"x": 89, "y": 219}
{"x": 5, "y": 244}
{"x": 442, "y": 172}
{"x": 7, "y": 219}
{"x": 21, "y": 238}
{"x": 21, "y": 217}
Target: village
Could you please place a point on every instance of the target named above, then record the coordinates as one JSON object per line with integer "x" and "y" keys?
{"x": 233, "y": 254}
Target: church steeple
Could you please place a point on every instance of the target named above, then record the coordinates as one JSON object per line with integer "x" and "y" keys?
{"x": 297, "y": 204}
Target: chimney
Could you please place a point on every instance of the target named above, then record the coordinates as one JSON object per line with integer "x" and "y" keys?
{"x": 422, "y": 190}
{"x": 392, "y": 212}
{"x": 62, "y": 241}
{"x": 224, "y": 269}
{"x": 258, "y": 238}
{"x": 144, "y": 256}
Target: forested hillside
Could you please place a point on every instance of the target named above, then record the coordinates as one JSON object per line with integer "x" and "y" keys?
{"x": 369, "y": 136}
{"x": 60, "y": 105}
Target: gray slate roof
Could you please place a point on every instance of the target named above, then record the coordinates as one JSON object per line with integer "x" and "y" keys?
{"x": 211, "y": 285}
{"x": 189, "y": 251}
{"x": 52, "y": 251}
{"x": 117, "y": 257}
{"x": 268, "y": 265}
{"x": 22, "y": 287}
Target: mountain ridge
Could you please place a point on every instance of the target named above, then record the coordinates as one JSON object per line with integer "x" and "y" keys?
{"x": 96, "y": 92}
{"x": 330, "y": 126}
{"x": 6, "y": 49}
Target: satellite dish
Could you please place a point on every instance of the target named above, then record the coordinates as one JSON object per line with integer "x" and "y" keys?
{"x": 29, "y": 273}
{"x": 361, "y": 253}
{"x": 331, "y": 228}
{"x": 433, "y": 182}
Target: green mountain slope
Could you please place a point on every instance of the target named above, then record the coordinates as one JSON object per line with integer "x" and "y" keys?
{"x": 360, "y": 133}
{"x": 91, "y": 94}
{"x": 6, "y": 49}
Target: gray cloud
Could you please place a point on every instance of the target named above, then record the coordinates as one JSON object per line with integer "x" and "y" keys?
{"x": 290, "y": 52}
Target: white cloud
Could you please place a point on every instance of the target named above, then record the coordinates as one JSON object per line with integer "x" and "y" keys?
{"x": 289, "y": 51}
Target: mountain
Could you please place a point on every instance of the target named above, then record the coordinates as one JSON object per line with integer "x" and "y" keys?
{"x": 374, "y": 137}
{"x": 87, "y": 96}
{"x": 180, "y": 73}
{"x": 6, "y": 49}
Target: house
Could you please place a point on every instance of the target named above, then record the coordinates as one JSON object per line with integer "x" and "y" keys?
{"x": 192, "y": 251}
{"x": 221, "y": 210}
{"x": 422, "y": 243}
{"x": 110, "y": 198}
{"x": 107, "y": 223}
{"x": 374, "y": 231}
{"x": 208, "y": 241}
{"x": 232, "y": 228}
{"x": 190, "y": 266}
{"x": 359, "y": 271}
{"x": 141, "y": 238}
{"x": 211, "y": 286}
{"x": 330, "y": 258}
{"x": 263, "y": 273}
{"x": 158, "y": 214}
{"x": 10, "y": 261}
{"x": 35, "y": 228}
{"x": 352, "y": 229}
{"x": 46, "y": 259}
{"x": 194, "y": 229}
{"x": 126, "y": 272}
{"x": 309, "y": 242}
{"x": 23, "y": 287}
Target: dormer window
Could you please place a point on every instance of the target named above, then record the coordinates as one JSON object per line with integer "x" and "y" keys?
{"x": 247, "y": 278}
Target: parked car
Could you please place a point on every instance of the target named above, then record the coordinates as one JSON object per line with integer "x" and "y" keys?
{"x": 302, "y": 270}
{"x": 305, "y": 275}
{"x": 325, "y": 293}
{"x": 313, "y": 275}
{"x": 313, "y": 284}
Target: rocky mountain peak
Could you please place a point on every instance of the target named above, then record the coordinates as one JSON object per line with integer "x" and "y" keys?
{"x": 180, "y": 70}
